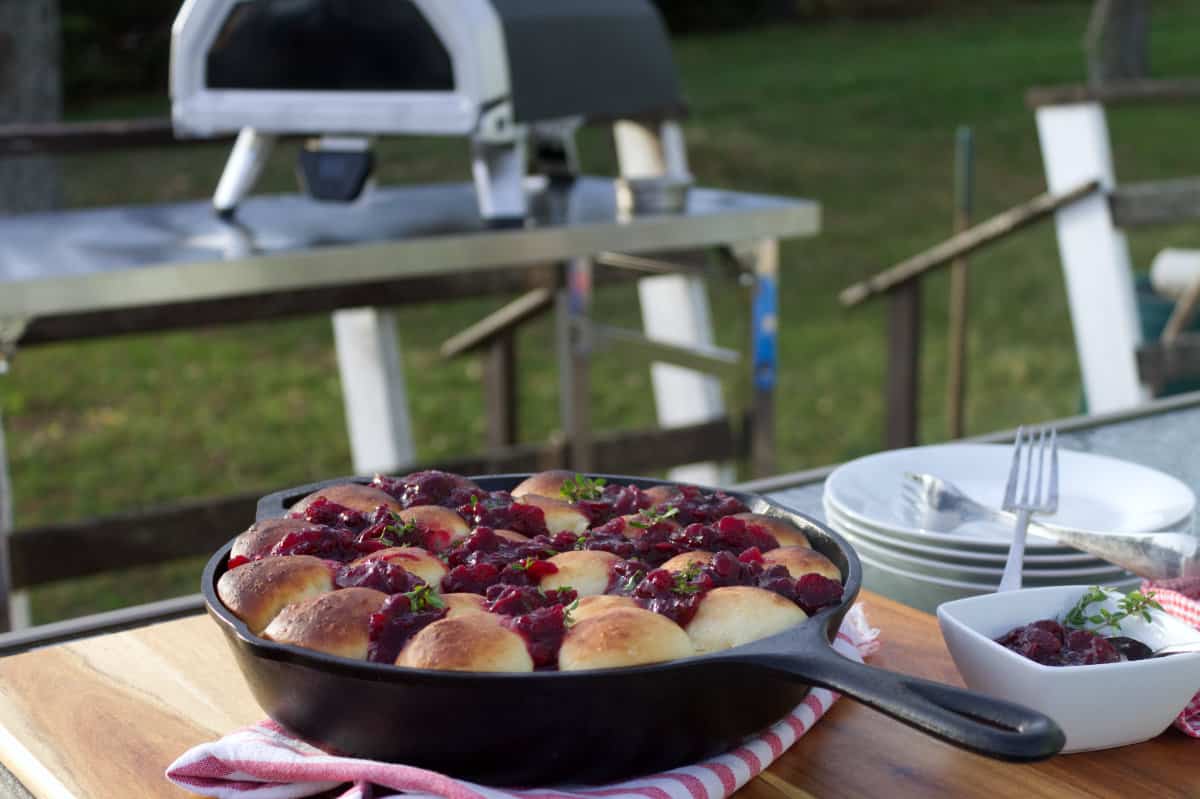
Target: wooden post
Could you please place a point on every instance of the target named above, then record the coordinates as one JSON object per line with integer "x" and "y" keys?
{"x": 1117, "y": 41}
{"x": 904, "y": 364}
{"x": 964, "y": 189}
{"x": 764, "y": 346}
{"x": 500, "y": 390}
{"x": 575, "y": 359}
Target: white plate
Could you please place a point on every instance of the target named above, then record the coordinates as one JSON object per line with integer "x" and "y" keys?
{"x": 1096, "y": 493}
{"x": 926, "y": 547}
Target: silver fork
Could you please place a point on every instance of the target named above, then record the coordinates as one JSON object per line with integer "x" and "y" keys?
{"x": 1036, "y": 496}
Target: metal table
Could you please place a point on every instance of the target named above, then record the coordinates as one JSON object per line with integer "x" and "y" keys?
{"x": 99, "y": 272}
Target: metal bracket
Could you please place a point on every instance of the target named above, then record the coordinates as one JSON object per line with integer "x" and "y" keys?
{"x": 11, "y": 330}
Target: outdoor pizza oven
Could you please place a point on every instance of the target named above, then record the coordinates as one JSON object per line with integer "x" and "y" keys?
{"x": 515, "y": 77}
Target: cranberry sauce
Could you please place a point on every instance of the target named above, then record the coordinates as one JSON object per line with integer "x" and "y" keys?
{"x": 382, "y": 575}
{"x": 517, "y": 600}
{"x": 386, "y": 529}
{"x": 680, "y": 597}
{"x": 323, "y": 542}
{"x": 661, "y": 539}
{"x": 323, "y": 511}
{"x": 693, "y": 505}
{"x": 429, "y": 488}
{"x": 614, "y": 500}
{"x": 499, "y": 511}
{"x": 390, "y": 627}
{"x": 543, "y": 630}
{"x": 1049, "y": 643}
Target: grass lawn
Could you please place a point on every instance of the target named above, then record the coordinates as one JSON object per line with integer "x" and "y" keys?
{"x": 858, "y": 116}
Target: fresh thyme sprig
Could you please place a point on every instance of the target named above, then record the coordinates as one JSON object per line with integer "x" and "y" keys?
{"x": 582, "y": 487}
{"x": 649, "y": 517}
{"x": 1135, "y": 603}
{"x": 423, "y": 597}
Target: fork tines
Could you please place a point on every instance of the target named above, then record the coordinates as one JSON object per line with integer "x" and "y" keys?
{"x": 1038, "y": 495}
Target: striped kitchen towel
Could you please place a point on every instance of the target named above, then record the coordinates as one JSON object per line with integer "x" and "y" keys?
{"x": 1181, "y": 597}
{"x": 264, "y": 761}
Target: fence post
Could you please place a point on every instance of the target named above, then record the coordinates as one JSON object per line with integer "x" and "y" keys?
{"x": 964, "y": 190}
{"x": 904, "y": 363}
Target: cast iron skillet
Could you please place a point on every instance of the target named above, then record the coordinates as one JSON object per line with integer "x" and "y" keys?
{"x": 602, "y": 725}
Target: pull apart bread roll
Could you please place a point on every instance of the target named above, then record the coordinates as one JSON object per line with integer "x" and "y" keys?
{"x": 685, "y": 560}
{"x": 464, "y": 604}
{"x": 544, "y": 484}
{"x": 364, "y": 499}
{"x": 261, "y": 537}
{"x": 783, "y": 531}
{"x": 467, "y": 642}
{"x": 560, "y": 516}
{"x": 336, "y": 623}
{"x": 443, "y": 528}
{"x": 588, "y": 571}
{"x": 800, "y": 561}
{"x": 413, "y": 560}
{"x": 622, "y": 637}
{"x": 256, "y": 591}
{"x": 738, "y": 614}
{"x": 590, "y": 606}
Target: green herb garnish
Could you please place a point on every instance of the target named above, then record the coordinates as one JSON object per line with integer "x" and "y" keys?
{"x": 1135, "y": 603}
{"x": 582, "y": 487}
{"x": 394, "y": 534}
{"x": 568, "y": 621}
{"x": 631, "y": 582}
{"x": 423, "y": 597}
{"x": 649, "y": 517}
{"x": 683, "y": 579}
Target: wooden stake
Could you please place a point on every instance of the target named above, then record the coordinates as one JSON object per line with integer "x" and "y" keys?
{"x": 964, "y": 190}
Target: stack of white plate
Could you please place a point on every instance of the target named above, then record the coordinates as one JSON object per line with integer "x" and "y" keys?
{"x": 923, "y": 568}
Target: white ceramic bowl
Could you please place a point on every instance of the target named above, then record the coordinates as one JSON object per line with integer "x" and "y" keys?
{"x": 1099, "y": 706}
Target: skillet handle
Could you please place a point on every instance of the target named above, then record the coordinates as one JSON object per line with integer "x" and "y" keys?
{"x": 982, "y": 724}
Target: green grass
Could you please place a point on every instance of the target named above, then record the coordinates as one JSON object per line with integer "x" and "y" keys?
{"x": 859, "y": 117}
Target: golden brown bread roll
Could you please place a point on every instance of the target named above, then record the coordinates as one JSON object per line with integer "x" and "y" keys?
{"x": 660, "y": 494}
{"x": 511, "y": 536}
{"x": 786, "y": 533}
{"x": 587, "y": 571}
{"x": 444, "y": 527}
{"x": 464, "y": 604}
{"x": 622, "y": 637}
{"x": 800, "y": 561}
{"x": 411, "y": 559}
{"x": 364, "y": 499}
{"x": 470, "y": 642}
{"x": 738, "y": 614}
{"x": 261, "y": 537}
{"x": 544, "y": 484}
{"x": 595, "y": 605}
{"x": 683, "y": 560}
{"x": 560, "y": 516}
{"x": 256, "y": 591}
{"x": 336, "y": 623}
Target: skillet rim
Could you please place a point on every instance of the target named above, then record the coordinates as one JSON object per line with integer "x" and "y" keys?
{"x": 262, "y": 648}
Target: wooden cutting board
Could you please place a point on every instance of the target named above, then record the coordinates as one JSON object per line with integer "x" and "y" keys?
{"x": 104, "y": 716}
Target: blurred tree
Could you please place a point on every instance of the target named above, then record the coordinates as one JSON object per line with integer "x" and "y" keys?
{"x": 30, "y": 91}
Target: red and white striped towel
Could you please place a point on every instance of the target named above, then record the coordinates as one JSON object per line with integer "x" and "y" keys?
{"x": 1181, "y": 597}
{"x": 264, "y": 761}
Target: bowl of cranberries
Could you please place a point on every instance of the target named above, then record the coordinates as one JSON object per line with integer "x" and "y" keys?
{"x": 1083, "y": 655}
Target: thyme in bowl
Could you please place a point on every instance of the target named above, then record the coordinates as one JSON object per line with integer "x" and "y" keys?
{"x": 1135, "y": 603}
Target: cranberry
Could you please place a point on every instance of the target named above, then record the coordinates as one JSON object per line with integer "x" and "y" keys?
{"x": 662, "y": 593}
{"x": 475, "y": 579}
{"x": 237, "y": 560}
{"x": 693, "y": 505}
{"x": 513, "y": 600}
{"x": 1048, "y": 643}
{"x": 739, "y": 535}
{"x": 615, "y": 500}
{"x": 625, "y": 575}
{"x": 321, "y": 542}
{"x": 382, "y": 575}
{"x": 499, "y": 510}
{"x": 323, "y": 511}
{"x": 389, "y": 628}
{"x": 814, "y": 591}
{"x": 430, "y": 487}
{"x": 543, "y": 630}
